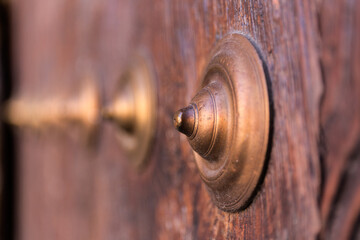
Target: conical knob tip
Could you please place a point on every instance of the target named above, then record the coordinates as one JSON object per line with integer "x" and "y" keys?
{"x": 184, "y": 120}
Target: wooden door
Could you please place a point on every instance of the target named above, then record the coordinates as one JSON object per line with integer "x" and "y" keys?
{"x": 68, "y": 188}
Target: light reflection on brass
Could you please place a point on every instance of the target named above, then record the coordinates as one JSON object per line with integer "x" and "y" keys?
{"x": 54, "y": 111}
{"x": 227, "y": 123}
{"x": 133, "y": 110}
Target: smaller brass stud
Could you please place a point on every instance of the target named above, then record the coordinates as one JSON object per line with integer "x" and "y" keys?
{"x": 39, "y": 114}
{"x": 132, "y": 110}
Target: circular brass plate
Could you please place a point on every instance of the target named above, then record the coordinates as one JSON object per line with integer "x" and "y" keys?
{"x": 235, "y": 79}
{"x": 139, "y": 82}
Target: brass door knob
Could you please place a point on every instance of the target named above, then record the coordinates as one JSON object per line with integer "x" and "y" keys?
{"x": 133, "y": 110}
{"x": 227, "y": 123}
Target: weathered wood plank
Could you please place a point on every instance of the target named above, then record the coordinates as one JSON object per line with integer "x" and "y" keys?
{"x": 339, "y": 23}
{"x": 69, "y": 191}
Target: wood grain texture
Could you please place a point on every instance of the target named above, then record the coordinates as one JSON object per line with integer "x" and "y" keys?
{"x": 69, "y": 190}
{"x": 339, "y": 24}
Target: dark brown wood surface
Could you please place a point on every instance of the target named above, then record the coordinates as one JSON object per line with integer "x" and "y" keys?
{"x": 339, "y": 25}
{"x": 68, "y": 189}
